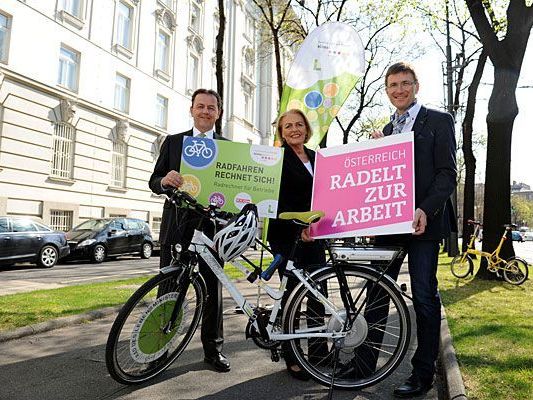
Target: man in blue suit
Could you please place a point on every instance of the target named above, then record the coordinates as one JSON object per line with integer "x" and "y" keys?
{"x": 206, "y": 109}
{"x": 435, "y": 180}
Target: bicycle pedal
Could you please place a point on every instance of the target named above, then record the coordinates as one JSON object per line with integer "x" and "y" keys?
{"x": 274, "y": 355}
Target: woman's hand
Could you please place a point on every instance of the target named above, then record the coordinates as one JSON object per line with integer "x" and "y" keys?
{"x": 306, "y": 235}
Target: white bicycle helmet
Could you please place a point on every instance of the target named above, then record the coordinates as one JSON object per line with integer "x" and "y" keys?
{"x": 238, "y": 234}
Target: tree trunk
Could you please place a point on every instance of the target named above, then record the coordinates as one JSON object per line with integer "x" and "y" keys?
{"x": 470, "y": 159}
{"x": 277, "y": 54}
{"x": 507, "y": 56}
{"x": 503, "y": 110}
{"x": 219, "y": 67}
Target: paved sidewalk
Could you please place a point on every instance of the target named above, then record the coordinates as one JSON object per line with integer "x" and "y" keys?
{"x": 68, "y": 363}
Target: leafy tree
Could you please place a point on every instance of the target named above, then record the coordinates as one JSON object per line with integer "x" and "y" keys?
{"x": 522, "y": 211}
{"x": 283, "y": 27}
{"x": 505, "y": 48}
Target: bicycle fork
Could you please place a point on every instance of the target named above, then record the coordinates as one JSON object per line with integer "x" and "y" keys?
{"x": 183, "y": 282}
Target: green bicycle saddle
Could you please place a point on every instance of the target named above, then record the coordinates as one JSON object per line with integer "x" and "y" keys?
{"x": 307, "y": 217}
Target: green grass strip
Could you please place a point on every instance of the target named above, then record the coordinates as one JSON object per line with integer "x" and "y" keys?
{"x": 22, "y": 309}
{"x": 491, "y": 323}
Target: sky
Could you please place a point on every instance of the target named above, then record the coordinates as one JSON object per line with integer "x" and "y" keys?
{"x": 431, "y": 92}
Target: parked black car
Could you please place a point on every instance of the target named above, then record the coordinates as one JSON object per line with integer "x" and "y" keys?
{"x": 25, "y": 240}
{"x": 97, "y": 239}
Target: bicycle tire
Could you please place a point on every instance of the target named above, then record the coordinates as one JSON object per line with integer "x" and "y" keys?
{"x": 391, "y": 350}
{"x": 190, "y": 151}
{"x": 515, "y": 271}
{"x": 462, "y": 267}
{"x": 137, "y": 350}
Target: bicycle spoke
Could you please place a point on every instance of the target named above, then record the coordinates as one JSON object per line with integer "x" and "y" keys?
{"x": 376, "y": 342}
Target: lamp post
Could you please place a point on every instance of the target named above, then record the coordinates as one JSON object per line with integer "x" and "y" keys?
{"x": 452, "y": 240}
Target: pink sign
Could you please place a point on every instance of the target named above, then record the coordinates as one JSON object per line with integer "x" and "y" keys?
{"x": 365, "y": 188}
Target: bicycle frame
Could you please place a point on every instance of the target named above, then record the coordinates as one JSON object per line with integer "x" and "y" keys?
{"x": 493, "y": 258}
{"x": 201, "y": 243}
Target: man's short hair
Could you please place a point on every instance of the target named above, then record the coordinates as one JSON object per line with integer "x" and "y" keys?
{"x": 400, "y": 67}
{"x": 207, "y": 91}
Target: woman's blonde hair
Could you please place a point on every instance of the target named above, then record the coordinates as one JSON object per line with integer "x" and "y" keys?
{"x": 308, "y": 129}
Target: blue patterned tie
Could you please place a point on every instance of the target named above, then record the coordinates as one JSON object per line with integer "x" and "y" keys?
{"x": 399, "y": 122}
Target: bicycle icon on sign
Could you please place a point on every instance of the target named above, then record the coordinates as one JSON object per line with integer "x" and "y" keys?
{"x": 198, "y": 148}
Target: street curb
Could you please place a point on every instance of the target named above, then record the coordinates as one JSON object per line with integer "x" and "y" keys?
{"x": 58, "y": 323}
{"x": 452, "y": 374}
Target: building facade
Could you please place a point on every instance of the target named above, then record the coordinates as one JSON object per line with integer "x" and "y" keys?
{"x": 89, "y": 89}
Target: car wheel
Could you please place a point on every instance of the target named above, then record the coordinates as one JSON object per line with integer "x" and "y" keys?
{"x": 48, "y": 257}
{"x": 146, "y": 251}
{"x": 98, "y": 254}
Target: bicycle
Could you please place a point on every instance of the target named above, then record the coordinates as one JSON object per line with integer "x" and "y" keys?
{"x": 198, "y": 149}
{"x": 515, "y": 269}
{"x": 159, "y": 320}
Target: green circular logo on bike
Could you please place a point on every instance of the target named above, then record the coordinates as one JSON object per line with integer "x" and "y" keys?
{"x": 149, "y": 341}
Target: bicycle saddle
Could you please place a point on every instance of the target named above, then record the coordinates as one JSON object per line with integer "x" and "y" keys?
{"x": 307, "y": 217}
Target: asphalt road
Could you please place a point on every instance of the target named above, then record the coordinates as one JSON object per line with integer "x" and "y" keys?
{"x": 27, "y": 277}
{"x": 68, "y": 363}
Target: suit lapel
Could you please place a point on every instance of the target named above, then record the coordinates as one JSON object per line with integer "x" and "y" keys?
{"x": 420, "y": 120}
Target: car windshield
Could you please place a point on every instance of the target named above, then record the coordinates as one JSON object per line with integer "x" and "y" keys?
{"x": 92, "y": 225}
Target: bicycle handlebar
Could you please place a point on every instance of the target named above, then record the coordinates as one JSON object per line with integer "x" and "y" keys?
{"x": 472, "y": 222}
{"x": 212, "y": 211}
{"x": 506, "y": 226}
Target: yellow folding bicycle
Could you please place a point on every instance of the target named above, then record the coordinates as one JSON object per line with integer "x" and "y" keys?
{"x": 514, "y": 269}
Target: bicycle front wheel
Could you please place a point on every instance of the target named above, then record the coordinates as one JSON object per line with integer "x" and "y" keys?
{"x": 462, "y": 265}
{"x": 515, "y": 271}
{"x": 139, "y": 347}
{"x": 374, "y": 345}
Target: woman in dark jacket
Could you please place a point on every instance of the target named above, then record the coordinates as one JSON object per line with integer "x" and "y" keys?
{"x": 295, "y": 195}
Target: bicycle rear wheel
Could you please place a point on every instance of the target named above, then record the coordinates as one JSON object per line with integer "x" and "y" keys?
{"x": 515, "y": 271}
{"x": 137, "y": 347}
{"x": 462, "y": 265}
{"x": 374, "y": 346}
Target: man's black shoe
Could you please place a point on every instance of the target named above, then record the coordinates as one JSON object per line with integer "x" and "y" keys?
{"x": 413, "y": 386}
{"x": 219, "y": 362}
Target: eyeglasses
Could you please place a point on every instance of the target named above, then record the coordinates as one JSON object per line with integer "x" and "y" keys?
{"x": 401, "y": 85}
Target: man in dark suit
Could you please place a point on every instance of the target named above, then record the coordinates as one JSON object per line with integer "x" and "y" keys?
{"x": 435, "y": 181}
{"x": 206, "y": 108}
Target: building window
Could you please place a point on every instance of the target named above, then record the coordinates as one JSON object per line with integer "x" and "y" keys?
{"x": 249, "y": 63}
{"x": 118, "y": 164}
{"x": 192, "y": 72}
{"x": 156, "y": 225}
{"x": 61, "y": 220}
{"x": 167, "y": 3}
{"x": 69, "y": 62}
{"x": 248, "y": 91}
{"x": 249, "y": 28}
{"x": 73, "y": 7}
{"x": 162, "y": 52}
{"x": 5, "y": 28}
{"x": 63, "y": 151}
{"x": 161, "y": 112}
{"x": 195, "y": 20}
{"x": 122, "y": 93}
{"x": 71, "y": 11}
{"x": 124, "y": 25}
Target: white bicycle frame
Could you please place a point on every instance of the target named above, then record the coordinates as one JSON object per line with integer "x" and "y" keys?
{"x": 200, "y": 244}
